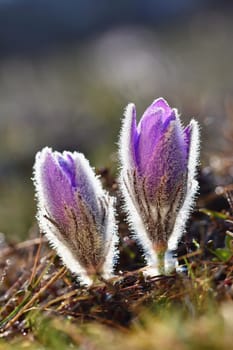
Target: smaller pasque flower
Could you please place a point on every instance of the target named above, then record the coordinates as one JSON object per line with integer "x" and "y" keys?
{"x": 76, "y": 213}
{"x": 158, "y": 168}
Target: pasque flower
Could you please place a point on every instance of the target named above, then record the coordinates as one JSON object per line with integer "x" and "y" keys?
{"x": 75, "y": 213}
{"x": 158, "y": 167}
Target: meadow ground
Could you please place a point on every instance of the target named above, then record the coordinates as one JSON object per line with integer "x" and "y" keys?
{"x": 43, "y": 307}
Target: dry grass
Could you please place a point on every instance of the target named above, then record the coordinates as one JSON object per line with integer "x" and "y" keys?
{"x": 43, "y": 307}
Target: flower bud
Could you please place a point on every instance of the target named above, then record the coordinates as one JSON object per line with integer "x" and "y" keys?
{"x": 158, "y": 167}
{"x": 75, "y": 213}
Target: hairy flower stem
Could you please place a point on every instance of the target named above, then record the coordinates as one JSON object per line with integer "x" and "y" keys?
{"x": 161, "y": 264}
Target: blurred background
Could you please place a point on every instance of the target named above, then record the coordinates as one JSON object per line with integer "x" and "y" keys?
{"x": 68, "y": 69}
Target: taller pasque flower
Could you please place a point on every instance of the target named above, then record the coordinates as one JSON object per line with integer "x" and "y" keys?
{"x": 75, "y": 213}
{"x": 158, "y": 167}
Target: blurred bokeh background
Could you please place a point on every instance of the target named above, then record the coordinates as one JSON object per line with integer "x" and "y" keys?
{"x": 68, "y": 68}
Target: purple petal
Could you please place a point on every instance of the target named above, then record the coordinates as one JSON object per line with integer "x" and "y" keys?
{"x": 168, "y": 163}
{"x": 187, "y": 139}
{"x": 87, "y": 184}
{"x": 162, "y": 103}
{"x": 159, "y": 105}
{"x": 151, "y": 127}
{"x": 81, "y": 177}
{"x": 55, "y": 186}
{"x": 66, "y": 162}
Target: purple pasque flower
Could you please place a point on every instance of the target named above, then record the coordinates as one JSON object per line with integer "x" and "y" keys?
{"x": 76, "y": 213}
{"x": 158, "y": 168}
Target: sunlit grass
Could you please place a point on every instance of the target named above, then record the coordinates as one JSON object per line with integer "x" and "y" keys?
{"x": 43, "y": 307}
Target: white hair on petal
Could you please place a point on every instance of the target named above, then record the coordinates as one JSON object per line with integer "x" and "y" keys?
{"x": 63, "y": 251}
{"x": 125, "y": 137}
{"x": 37, "y": 174}
{"x": 110, "y": 237}
{"x": 134, "y": 218}
{"x": 111, "y": 240}
{"x": 126, "y": 165}
{"x": 83, "y": 164}
{"x": 110, "y": 229}
{"x": 45, "y": 226}
{"x": 192, "y": 187}
{"x": 136, "y": 225}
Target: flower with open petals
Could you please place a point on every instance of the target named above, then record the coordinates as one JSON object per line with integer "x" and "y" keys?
{"x": 158, "y": 168}
{"x": 76, "y": 214}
